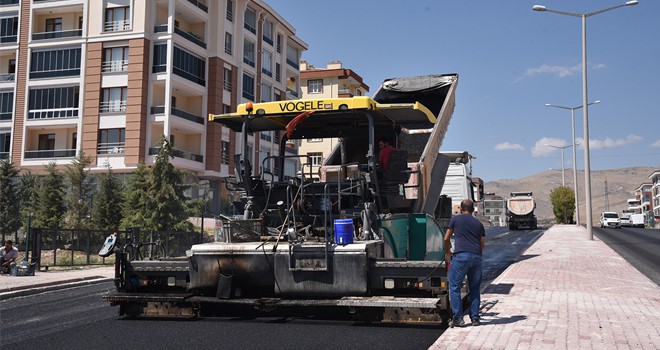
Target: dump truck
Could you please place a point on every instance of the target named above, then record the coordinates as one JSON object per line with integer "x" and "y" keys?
{"x": 520, "y": 211}
{"x": 357, "y": 237}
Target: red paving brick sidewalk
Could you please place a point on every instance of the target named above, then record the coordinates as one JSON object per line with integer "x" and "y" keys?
{"x": 566, "y": 293}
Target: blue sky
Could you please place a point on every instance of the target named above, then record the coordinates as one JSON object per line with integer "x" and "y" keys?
{"x": 511, "y": 61}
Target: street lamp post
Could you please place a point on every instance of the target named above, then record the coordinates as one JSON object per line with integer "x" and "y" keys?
{"x": 587, "y": 166}
{"x": 562, "y": 148}
{"x": 575, "y": 184}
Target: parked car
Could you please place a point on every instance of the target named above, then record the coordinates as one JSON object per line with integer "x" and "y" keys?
{"x": 610, "y": 219}
{"x": 625, "y": 221}
{"x": 637, "y": 220}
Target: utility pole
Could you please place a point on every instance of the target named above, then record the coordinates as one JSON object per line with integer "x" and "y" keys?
{"x": 607, "y": 197}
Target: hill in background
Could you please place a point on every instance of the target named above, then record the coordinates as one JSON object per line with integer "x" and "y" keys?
{"x": 621, "y": 184}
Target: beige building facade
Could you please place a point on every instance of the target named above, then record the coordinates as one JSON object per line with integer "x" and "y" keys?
{"x": 333, "y": 81}
{"x": 112, "y": 77}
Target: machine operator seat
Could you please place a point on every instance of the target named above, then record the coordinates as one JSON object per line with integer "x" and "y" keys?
{"x": 396, "y": 168}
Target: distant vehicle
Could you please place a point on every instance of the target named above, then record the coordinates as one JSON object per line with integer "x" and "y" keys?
{"x": 610, "y": 219}
{"x": 637, "y": 220}
{"x": 520, "y": 211}
{"x": 625, "y": 221}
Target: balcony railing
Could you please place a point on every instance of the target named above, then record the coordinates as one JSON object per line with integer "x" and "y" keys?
{"x": 5, "y": 116}
{"x": 292, "y": 63}
{"x": 192, "y": 37}
{"x": 8, "y": 2}
{"x": 117, "y": 26}
{"x": 200, "y": 4}
{"x": 4, "y": 155}
{"x": 161, "y": 28}
{"x": 59, "y": 153}
{"x": 179, "y": 154}
{"x": 7, "y": 77}
{"x": 267, "y": 71}
{"x": 182, "y": 73}
{"x": 226, "y": 85}
{"x": 179, "y": 113}
{"x": 160, "y": 68}
{"x": 115, "y": 66}
{"x": 265, "y": 136}
{"x": 268, "y": 40}
{"x": 58, "y": 34}
{"x": 249, "y": 61}
{"x": 111, "y": 147}
{"x": 53, "y": 113}
{"x": 8, "y": 39}
{"x": 115, "y": 106}
{"x": 55, "y": 73}
{"x": 292, "y": 92}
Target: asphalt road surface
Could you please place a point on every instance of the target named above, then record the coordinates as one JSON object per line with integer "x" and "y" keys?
{"x": 640, "y": 247}
{"x": 77, "y": 318}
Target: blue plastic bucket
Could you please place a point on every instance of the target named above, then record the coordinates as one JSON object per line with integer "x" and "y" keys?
{"x": 344, "y": 231}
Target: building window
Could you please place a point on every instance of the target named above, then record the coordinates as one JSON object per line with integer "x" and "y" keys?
{"x": 250, "y": 20}
{"x": 80, "y": 22}
{"x": 189, "y": 66}
{"x": 55, "y": 63}
{"x": 5, "y": 143}
{"x": 114, "y": 100}
{"x": 46, "y": 142}
{"x": 111, "y": 141}
{"x": 228, "y": 43}
{"x": 8, "y": 29}
{"x": 314, "y": 140}
{"x": 54, "y": 25}
{"x": 248, "y": 86}
{"x": 12, "y": 66}
{"x": 117, "y": 18}
{"x": 230, "y": 10}
{"x": 292, "y": 56}
{"x": 266, "y": 93}
{"x": 265, "y": 160}
{"x": 267, "y": 63}
{"x": 248, "y": 52}
{"x": 315, "y": 158}
{"x": 115, "y": 59}
{"x": 160, "y": 58}
{"x": 268, "y": 32}
{"x": 224, "y": 152}
{"x": 226, "y": 79}
{"x": 6, "y": 105}
{"x": 279, "y": 43}
{"x": 49, "y": 103}
{"x": 226, "y": 108}
{"x": 315, "y": 86}
{"x": 278, "y": 72}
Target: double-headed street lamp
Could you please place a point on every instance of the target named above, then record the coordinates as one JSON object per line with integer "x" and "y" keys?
{"x": 587, "y": 167}
{"x": 575, "y": 186}
{"x": 562, "y": 148}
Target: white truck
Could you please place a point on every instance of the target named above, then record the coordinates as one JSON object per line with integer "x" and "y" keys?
{"x": 637, "y": 220}
{"x": 520, "y": 211}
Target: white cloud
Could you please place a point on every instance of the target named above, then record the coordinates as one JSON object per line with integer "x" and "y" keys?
{"x": 559, "y": 71}
{"x": 508, "y": 146}
{"x": 598, "y": 66}
{"x": 656, "y": 144}
{"x": 611, "y": 143}
{"x": 541, "y": 150}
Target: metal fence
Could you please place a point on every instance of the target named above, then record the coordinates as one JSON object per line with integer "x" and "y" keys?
{"x": 67, "y": 247}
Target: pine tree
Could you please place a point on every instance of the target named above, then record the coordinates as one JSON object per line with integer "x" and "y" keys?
{"x": 107, "y": 211}
{"x": 165, "y": 193}
{"x": 134, "y": 205}
{"x": 50, "y": 208}
{"x": 80, "y": 192}
{"x": 10, "y": 219}
{"x": 27, "y": 193}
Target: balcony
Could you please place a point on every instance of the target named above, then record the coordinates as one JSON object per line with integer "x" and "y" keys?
{"x": 117, "y": 26}
{"x": 200, "y": 4}
{"x": 59, "y": 153}
{"x": 115, "y": 66}
{"x": 115, "y": 106}
{"x": 7, "y": 77}
{"x": 54, "y": 113}
{"x": 8, "y": 39}
{"x": 8, "y": 2}
{"x": 57, "y": 34}
{"x": 179, "y": 113}
{"x": 111, "y": 148}
{"x": 6, "y": 116}
{"x": 192, "y": 37}
{"x": 292, "y": 63}
{"x": 161, "y": 28}
{"x": 179, "y": 154}
{"x": 292, "y": 92}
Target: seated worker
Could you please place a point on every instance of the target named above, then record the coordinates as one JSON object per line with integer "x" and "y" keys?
{"x": 8, "y": 255}
{"x": 384, "y": 154}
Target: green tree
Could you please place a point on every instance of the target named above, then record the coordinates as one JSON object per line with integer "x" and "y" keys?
{"x": 10, "y": 218}
{"x": 50, "y": 208}
{"x": 168, "y": 209}
{"x": 135, "y": 206}
{"x": 107, "y": 211}
{"x": 27, "y": 193}
{"x": 80, "y": 191}
{"x": 563, "y": 204}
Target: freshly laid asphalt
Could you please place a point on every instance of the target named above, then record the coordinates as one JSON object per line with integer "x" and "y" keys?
{"x": 566, "y": 292}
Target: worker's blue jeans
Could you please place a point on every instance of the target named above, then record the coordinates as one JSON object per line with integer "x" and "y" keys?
{"x": 465, "y": 264}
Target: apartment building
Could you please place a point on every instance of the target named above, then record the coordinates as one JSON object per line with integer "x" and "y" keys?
{"x": 655, "y": 195}
{"x": 495, "y": 209}
{"x": 330, "y": 82}
{"x": 111, "y": 77}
